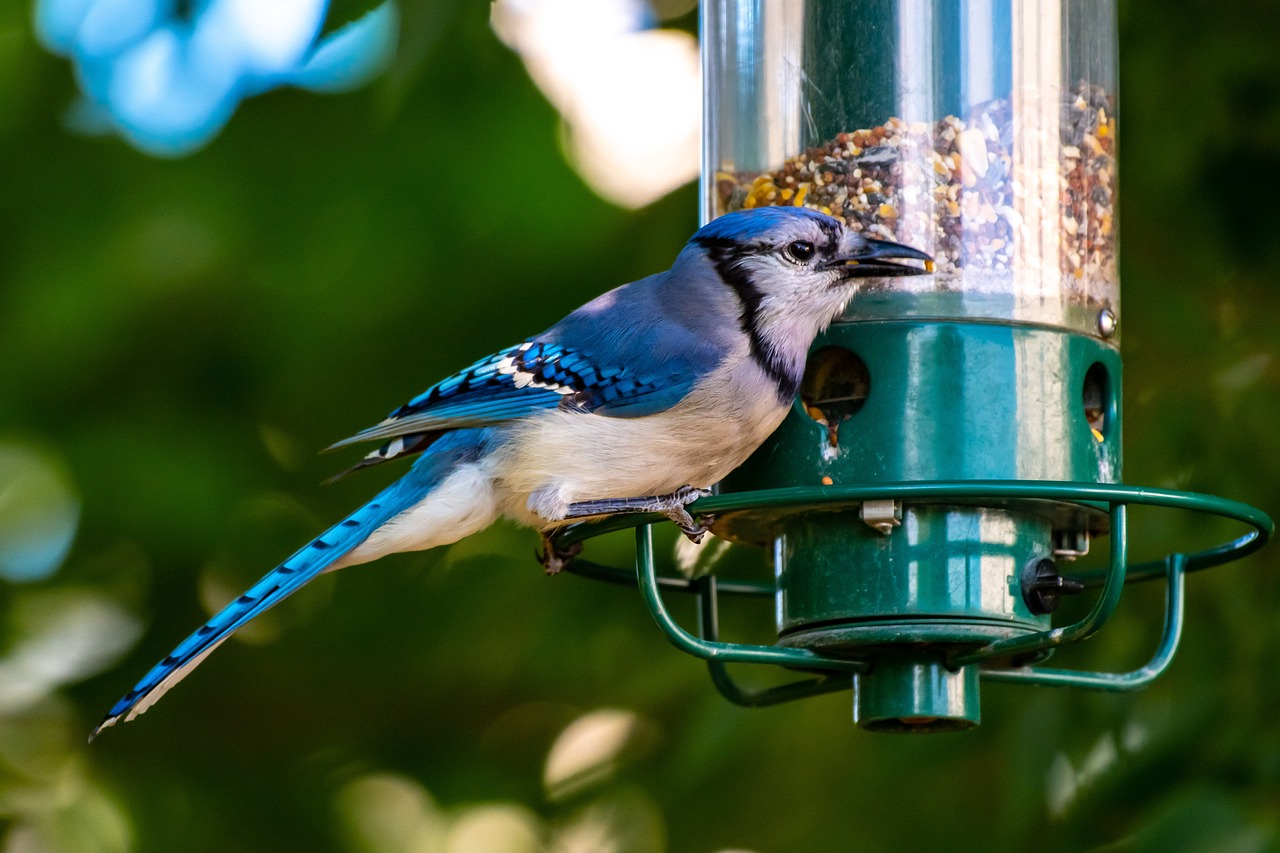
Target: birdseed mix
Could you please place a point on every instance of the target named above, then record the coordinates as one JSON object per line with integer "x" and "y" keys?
{"x": 982, "y": 194}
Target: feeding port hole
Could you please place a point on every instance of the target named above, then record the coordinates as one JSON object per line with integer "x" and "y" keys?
{"x": 836, "y": 384}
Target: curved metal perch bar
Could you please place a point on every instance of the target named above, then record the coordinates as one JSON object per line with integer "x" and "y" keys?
{"x": 835, "y": 672}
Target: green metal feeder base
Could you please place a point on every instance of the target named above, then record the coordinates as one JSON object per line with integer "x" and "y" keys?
{"x": 915, "y": 674}
{"x": 915, "y": 691}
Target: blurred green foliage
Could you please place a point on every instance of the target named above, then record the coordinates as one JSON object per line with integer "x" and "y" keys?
{"x": 179, "y": 337}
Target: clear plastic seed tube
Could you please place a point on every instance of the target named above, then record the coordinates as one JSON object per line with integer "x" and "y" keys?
{"x": 983, "y": 133}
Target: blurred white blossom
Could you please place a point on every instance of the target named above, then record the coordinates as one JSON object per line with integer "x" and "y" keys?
{"x": 630, "y": 95}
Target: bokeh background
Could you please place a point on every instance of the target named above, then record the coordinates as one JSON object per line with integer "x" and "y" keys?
{"x": 180, "y": 334}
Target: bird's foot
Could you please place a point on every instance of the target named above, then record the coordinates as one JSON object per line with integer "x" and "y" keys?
{"x": 672, "y": 506}
{"x": 555, "y": 557}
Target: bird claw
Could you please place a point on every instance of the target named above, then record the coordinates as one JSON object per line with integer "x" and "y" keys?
{"x": 694, "y": 530}
{"x": 673, "y": 507}
{"x": 553, "y": 557}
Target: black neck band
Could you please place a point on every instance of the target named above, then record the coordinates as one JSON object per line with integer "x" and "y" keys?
{"x": 726, "y": 256}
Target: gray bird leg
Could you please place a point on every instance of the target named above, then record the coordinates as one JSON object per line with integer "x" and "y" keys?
{"x": 553, "y": 557}
{"x": 672, "y": 506}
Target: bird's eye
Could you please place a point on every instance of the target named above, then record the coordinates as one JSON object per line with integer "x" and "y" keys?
{"x": 800, "y": 250}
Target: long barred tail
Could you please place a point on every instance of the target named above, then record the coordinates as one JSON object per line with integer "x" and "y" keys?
{"x": 317, "y": 556}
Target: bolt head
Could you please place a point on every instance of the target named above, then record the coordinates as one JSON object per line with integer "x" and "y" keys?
{"x": 1107, "y": 322}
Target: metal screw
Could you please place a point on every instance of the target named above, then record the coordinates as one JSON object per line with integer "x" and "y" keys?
{"x": 1106, "y": 322}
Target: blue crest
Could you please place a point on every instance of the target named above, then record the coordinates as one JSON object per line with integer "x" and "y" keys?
{"x": 745, "y": 226}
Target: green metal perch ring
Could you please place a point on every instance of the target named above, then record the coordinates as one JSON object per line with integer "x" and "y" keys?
{"x": 835, "y": 673}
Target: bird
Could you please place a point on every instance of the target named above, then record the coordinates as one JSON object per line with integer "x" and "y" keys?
{"x": 638, "y": 401}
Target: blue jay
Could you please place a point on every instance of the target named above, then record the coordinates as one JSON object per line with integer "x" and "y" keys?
{"x": 636, "y": 402}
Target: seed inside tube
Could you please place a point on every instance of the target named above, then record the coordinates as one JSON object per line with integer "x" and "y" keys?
{"x": 976, "y": 191}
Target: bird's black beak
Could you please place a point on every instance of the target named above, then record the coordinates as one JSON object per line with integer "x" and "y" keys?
{"x": 876, "y": 260}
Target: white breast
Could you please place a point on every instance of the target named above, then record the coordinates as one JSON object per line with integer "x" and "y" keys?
{"x": 560, "y": 457}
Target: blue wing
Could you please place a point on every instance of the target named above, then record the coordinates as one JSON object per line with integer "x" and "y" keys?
{"x": 634, "y": 351}
{"x": 519, "y": 381}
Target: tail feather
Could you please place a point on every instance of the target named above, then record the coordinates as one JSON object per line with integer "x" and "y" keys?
{"x": 311, "y": 560}
{"x": 274, "y": 587}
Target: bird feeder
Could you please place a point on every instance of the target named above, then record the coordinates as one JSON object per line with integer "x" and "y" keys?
{"x": 956, "y": 442}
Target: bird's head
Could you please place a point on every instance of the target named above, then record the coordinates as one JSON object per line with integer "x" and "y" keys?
{"x": 795, "y": 269}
